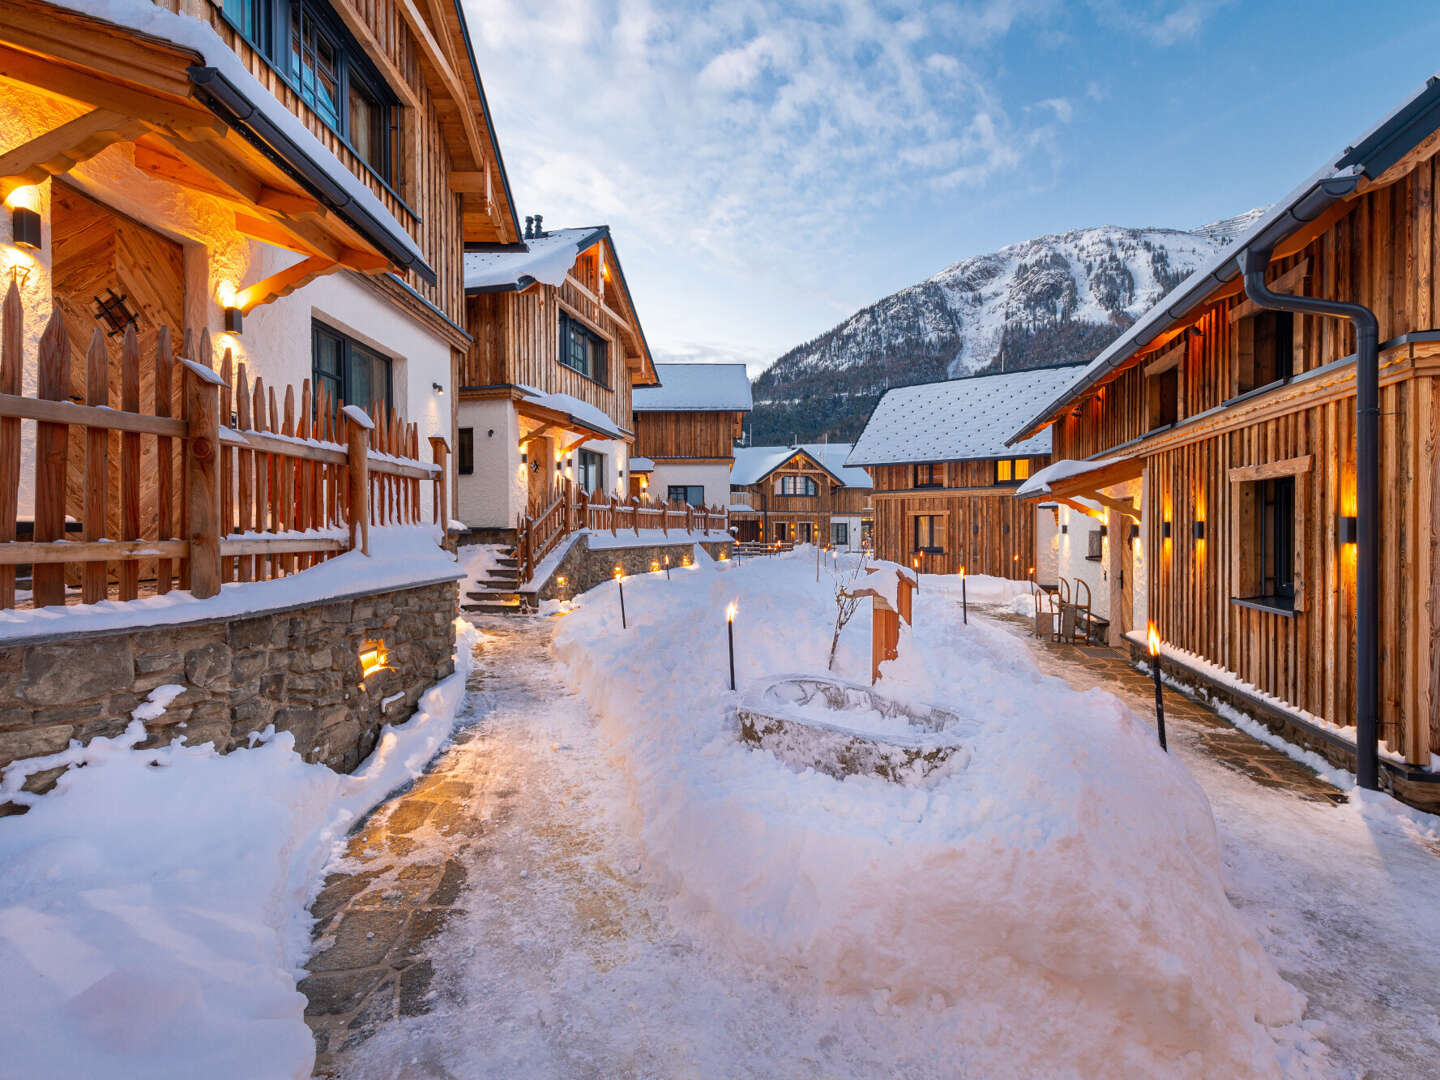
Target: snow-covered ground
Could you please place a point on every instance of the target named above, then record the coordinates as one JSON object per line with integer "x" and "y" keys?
{"x": 153, "y": 906}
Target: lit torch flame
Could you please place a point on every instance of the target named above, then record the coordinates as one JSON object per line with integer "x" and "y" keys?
{"x": 730, "y": 611}
{"x": 962, "y": 571}
{"x": 1153, "y": 637}
{"x": 617, "y": 573}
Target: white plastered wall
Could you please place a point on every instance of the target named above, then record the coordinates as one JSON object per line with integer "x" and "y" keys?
{"x": 275, "y": 343}
{"x": 1047, "y": 544}
{"x": 715, "y": 479}
{"x": 494, "y": 495}
{"x": 1071, "y": 562}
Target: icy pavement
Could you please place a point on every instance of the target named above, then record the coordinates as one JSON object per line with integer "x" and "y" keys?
{"x": 533, "y": 939}
{"x": 1341, "y": 896}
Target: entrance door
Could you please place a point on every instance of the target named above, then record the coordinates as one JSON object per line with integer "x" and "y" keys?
{"x": 541, "y": 453}
{"x": 95, "y": 250}
{"x": 807, "y": 532}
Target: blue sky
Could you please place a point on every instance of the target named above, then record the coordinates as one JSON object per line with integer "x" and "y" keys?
{"x": 768, "y": 168}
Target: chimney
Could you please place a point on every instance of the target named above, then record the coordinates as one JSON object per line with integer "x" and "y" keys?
{"x": 793, "y": 441}
{"x": 539, "y": 232}
{"x": 529, "y": 227}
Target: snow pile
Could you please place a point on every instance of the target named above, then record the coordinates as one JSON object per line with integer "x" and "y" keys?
{"x": 1058, "y": 898}
{"x": 153, "y": 906}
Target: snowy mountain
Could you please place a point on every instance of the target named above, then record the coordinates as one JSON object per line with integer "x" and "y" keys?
{"x": 1051, "y": 300}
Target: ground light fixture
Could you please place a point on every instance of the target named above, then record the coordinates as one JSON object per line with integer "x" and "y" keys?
{"x": 730, "y": 610}
{"x": 620, "y": 586}
{"x": 1152, "y": 637}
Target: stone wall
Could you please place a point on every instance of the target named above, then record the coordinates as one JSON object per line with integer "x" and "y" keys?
{"x": 583, "y": 568}
{"x": 297, "y": 668}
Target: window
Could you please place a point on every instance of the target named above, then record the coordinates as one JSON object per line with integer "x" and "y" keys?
{"x": 929, "y": 476}
{"x": 353, "y": 373}
{"x": 581, "y": 349}
{"x": 1162, "y": 391}
{"x": 592, "y": 471}
{"x": 1265, "y": 350}
{"x": 1095, "y": 545}
{"x": 807, "y": 532}
{"x": 307, "y": 42}
{"x": 1267, "y": 543}
{"x": 694, "y": 494}
{"x": 1011, "y": 470}
{"x": 465, "y": 457}
{"x": 797, "y": 485}
{"x": 929, "y": 530}
{"x": 840, "y": 533}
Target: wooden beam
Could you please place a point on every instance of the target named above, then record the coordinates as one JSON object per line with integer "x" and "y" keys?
{"x": 1245, "y": 474}
{"x": 1088, "y": 511}
{"x": 284, "y": 282}
{"x": 537, "y": 433}
{"x": 289, "y": 202}
{"x": 59, "y": 150}
{"x": 570, "y": 449}
{"x": 359, "y": 25}
{"x": 435, "y": 56}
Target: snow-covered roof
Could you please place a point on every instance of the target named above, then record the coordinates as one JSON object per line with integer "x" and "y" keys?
{"x": 754, "y": 463}
{"x": 959, "y": 418}
{"x": 191, "y": 33}
{"x": 696, "y": 388}
{"x": 1366, "y": 158}
{"x": 588, "y": 416}
{"x": 1039, "y": 482}
{"x": 546, "y": 259}
{"x": 641, "y": 464}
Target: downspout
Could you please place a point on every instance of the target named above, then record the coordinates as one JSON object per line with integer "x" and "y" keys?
{"x": 1367, "y": 497}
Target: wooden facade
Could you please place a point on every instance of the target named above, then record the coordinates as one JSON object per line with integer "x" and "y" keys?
{"x": 798, "y": 518}
{"x": 691, "y": 437}
{"x": 1379, "y": 248}
{"x": 979, "y": 524}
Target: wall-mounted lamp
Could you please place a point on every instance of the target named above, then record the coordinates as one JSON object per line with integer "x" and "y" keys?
{"x": 438, "y": 388}
{"x": 1165, "y": 528}
{"x": 1198, "y": 530}
{"x": 524, "y": 457}
{"x": 25, "y": 227}
{"x": 1104, "y": 530}
{"x": 1134, "y": 530}
{"x": 1064, "y": 529}
{"x": 1348, "y": 530}
{"x": 234, "y": 320}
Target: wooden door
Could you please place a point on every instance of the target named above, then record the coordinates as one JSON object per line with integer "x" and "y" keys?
{"x": 95, "y": 250}
{"x": 542, "y": 480}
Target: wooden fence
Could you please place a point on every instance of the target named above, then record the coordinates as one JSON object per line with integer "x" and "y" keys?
{"x": 572, "y": 509}
{"x": 208, "y": 480}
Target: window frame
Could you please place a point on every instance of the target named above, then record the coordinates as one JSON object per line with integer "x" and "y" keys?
{"x": 1249, "y": 376}
{"x": 271, "y": 38}
{"x": 1018, "y": 469}
{"x": 808, "y": 483}
{"x": 840, "y": 534}
{"x": 465, "y": 451}
{"x": 341, "y": 384}
{"x": 587, "y": 460}
{"x": 670, "y": 490}
{"x": 935, "y": 530}
{"x": 1250, "y": 532}
{"x": 927, "y": 475}
{"x": 567, "y": 324}
{"x": 1164, "y": 386}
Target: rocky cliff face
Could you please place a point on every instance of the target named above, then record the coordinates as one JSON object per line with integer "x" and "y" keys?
{"x": 1051, "y": 300}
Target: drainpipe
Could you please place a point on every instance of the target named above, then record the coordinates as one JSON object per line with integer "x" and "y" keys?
{"x": 1367, "y": 497}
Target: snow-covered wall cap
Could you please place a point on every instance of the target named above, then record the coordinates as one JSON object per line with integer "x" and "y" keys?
{"x": 191, "y": 33}
{"x": 1039, "y": 482}
{"x": 641, "y": 464}
{"x": 696, "y": 388}
{"x": 754, "y": 463}
{"x": 546, "y": 259}
{"x": 959, "y": 419}
{"x": 359, "y": 416}
{"x": 205, "y": 374}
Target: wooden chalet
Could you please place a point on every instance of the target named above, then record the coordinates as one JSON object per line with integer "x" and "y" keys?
{"x": 1220, "y": 442}
{"x": 800, "y": 494}
{"x": 545, "y": 386}
{"x": 297, "y": 178}
{"x": 685, "y": 431}
{"x": 944, "y": 480}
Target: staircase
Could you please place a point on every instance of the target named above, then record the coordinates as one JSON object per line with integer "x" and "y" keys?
{"x": 499, "y": 592}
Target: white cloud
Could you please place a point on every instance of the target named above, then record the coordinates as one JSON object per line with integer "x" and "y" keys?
{"x": 1161, "y": 21}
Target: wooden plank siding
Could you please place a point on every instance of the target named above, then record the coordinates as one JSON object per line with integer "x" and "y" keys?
{"x": 985, "y": 528}
{"x": 780, "y": 514}
{"x": 687, "y": 436}
{"x": 1381, "y": 253}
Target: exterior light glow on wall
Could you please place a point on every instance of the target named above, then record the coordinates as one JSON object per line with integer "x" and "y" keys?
{"x": 1198, "y": 529}
{"x": 1165, "y": 529}
{"x": 234, "y": 320}
{"x": 373, "y": 657}
{"x": 1348, "y": 530}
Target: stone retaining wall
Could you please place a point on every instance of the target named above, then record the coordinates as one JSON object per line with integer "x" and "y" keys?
{"x": 583, "y": 568}
{"x": 297, "y": 668}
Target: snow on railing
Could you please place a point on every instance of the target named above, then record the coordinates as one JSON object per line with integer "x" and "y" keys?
{"x": 212, "y": 482}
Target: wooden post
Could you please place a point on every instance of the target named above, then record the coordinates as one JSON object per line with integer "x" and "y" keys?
{"x": 905, "y": 597}
{"x": 1119, "y": 548}
{"x": 202, "y": 490}
{"x": 52, "y": 443}
{"x": 884, "y": 635}
{"x": 358, "y": 445}
{"x": 164, "y": 457}
{"x": 95, "y": 586}
{"x": 130, "y": 461}
{"x": 12, "y": 362}
{"x": 438, "y": 449}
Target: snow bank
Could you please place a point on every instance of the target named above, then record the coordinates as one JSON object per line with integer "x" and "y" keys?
{"x": 153, "y": 907}
{"x": 1059, "y": 898}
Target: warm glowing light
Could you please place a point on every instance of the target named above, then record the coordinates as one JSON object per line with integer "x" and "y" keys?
{"x": 655, "y": 566}
{"x": 730, "y": 611}
{"x": 27, "y": 196}
{"x": 225, "y": 293}
{"x": 962, "y": 571}
{"x": 560, "y": 580}
{"x": 1153, "y": 637}
{"x": 617, "y": 573}
{"x": 373, "y": 657}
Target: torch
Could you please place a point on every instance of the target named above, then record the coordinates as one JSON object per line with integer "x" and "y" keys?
{"x": 730, "y": 632}
{"x": 620, "y": 584}
{"x": 915, "y": 565}
{"x": 964, "y": 599}
{"x": 1031, "y": 576}
{"x": 667, "y": 567}
{"x": 1154, "y": 639}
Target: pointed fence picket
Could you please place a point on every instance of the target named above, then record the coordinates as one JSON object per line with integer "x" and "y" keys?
{"x": 235, "y": 492}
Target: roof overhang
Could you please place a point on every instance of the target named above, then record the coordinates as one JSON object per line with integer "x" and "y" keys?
{"x": 1086, "y": 484}
{"x": 1397, "y": 143}
{"x": 799, "y": 452}
{"x": 558, "y": 420}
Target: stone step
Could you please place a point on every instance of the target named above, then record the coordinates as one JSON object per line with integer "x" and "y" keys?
{"x": 509, "y": 563}
{"x": 519, "y": 607}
